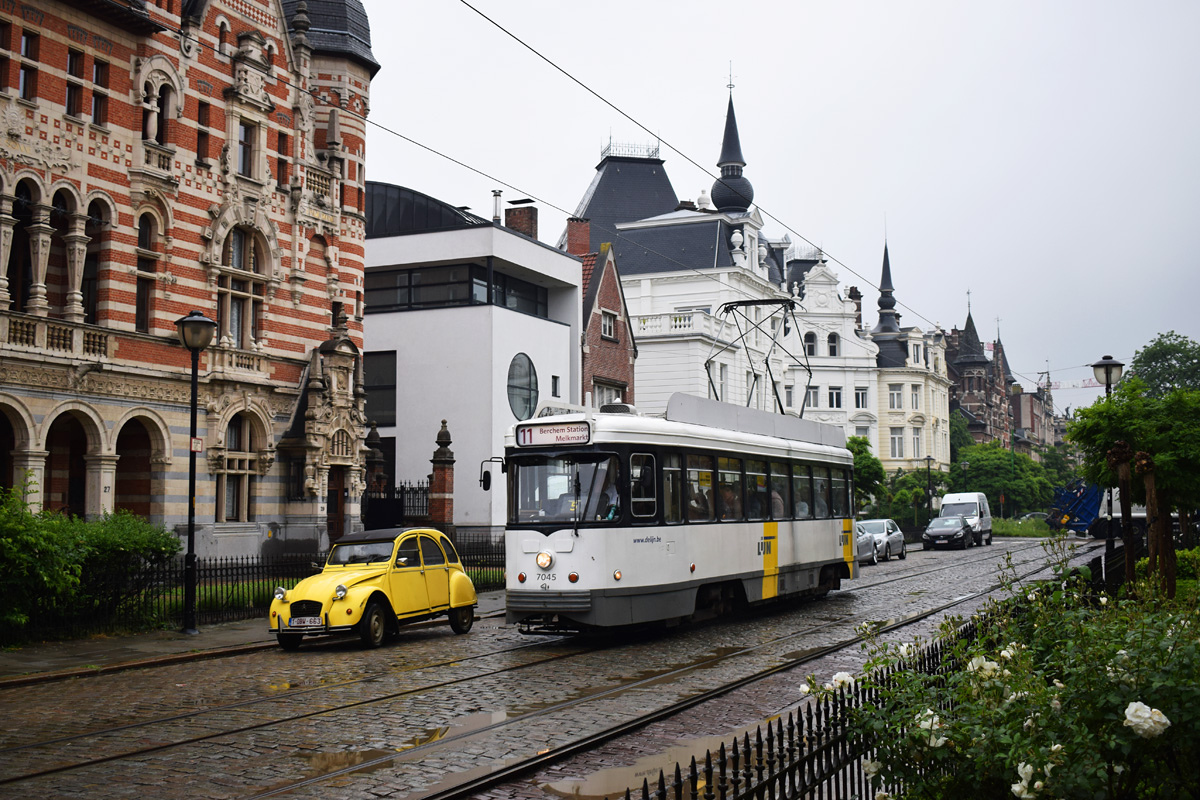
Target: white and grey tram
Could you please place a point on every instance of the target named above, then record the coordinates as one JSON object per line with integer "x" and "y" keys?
{"x": 620, "y": 519}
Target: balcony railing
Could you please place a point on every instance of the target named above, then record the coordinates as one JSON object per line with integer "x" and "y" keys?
{"x": 318, "y": 183}
{"x": 685, "y": 323}
{"x": 55, "y": 336}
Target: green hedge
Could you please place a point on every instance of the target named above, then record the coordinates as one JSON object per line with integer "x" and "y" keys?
{"x": 1187, "y": 565}
{"x": 52, "y": 561}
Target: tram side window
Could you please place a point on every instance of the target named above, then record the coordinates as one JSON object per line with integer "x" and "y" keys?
{"x": 821, "y": 491}
{"x": 802, "y": 491}
{"x": 758, "y": 493}
{"x": 603, "y": 497}
{"x": 729, "y": 501}
{"x": 841, "y": 499}
{"x": 643, "y": 497}
{"x": 779, "y": 491}
{"x": 700, "y": 488}
{"x": 673, "y": 488}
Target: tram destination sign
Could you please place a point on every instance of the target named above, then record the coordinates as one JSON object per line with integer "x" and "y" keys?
{"x": 551, "y": 433}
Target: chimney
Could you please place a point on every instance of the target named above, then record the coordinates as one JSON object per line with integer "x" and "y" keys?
{"x": 496, "y": 206}
{"x": 522, "y": 219}
{"x": 579, "y": 236}
{"x": 856, "y": 296}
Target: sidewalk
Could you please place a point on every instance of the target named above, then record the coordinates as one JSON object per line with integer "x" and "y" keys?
{"x": 46, "y": 661}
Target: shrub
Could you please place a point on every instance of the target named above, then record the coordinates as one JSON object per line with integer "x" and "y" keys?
{"x": 1187, "y": 565}
{"x": 39, "y": 559}
{"x": 1062, "y": 694}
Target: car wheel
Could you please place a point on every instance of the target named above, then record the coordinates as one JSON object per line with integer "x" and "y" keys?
{"x": 874, "y": 554}
{"x": 989, "y": 539}
{"x": 372, "y": 628}
{"x": 289, "y": 641}
{"x": 461, "y": 619}
{"x": 903, "y": 550}
{"x": 966, "y": 542}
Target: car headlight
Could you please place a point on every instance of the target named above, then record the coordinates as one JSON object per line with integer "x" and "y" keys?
{"x": 545, "y": 559}
{"x": 280, "y": 593}
{"x": 339, "y": 591}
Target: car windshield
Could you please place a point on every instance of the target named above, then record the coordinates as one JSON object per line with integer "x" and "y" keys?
{"x": 955, "y": 509}
{"x": 874, "y": 526}
{"x": 946, "y": 522}
{"x": 360, "y": 553}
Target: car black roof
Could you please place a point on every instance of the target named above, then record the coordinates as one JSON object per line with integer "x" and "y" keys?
{"x": 380, "y": 535}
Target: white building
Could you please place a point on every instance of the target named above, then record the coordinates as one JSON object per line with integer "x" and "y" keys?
{"x": 466, "y": 321}
{"x": 682, "y": 262}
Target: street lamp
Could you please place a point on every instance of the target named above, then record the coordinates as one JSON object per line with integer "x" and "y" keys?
{"x": 1108, "y": 371}
{"x": 928, "y": 488}
{"x": 195, "y": 333}
{"x": 965, "y": 465}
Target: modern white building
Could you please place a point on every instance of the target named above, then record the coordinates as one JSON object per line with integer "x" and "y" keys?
{"x": 466, "y": 321}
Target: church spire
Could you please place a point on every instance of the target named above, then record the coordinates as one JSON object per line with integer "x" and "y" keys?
{"x": 732, "y": 191}
{"x": 889, "y": 320}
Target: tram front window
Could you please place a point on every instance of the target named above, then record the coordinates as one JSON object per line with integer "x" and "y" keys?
{"x": 556, "y": 490}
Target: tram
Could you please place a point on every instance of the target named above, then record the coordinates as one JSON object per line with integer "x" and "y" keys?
{"x": 617, "y": 519}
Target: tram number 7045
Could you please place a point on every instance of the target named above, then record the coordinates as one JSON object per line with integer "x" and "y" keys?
{"x": 545, "y": 576}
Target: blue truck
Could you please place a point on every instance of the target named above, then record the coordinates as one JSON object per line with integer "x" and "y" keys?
{"x": 1081, "y": 507}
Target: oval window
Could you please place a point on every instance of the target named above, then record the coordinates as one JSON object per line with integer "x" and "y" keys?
{"x": 522, "y": 387}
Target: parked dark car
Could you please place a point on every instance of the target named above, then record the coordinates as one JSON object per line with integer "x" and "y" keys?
{"x": 953, "y": 531}
{"x": 1042, "y": 515}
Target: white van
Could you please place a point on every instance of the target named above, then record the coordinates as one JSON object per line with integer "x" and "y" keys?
{"x": 973, "y": 506}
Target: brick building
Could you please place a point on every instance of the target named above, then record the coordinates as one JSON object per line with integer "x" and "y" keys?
{"x": 609, "y": 349}
{"x": 981, "y": 385}
{"x": 166, "y": 156}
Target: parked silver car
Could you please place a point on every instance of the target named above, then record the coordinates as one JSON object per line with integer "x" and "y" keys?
{"x": 865, "y": 546}
{"x": 889, "y": 541}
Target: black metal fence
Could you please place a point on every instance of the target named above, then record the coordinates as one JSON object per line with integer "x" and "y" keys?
{"x": 227, "y": 589}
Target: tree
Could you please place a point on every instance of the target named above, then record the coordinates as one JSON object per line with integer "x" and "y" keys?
{"x": 997, "y": 471}
{"x": 1164, "y": 432}
{"x": 1169, "y": 362}
{"x": 868, "y": 470}
{"x": 960, "y": 436}
{"x": 1060, "y": 469}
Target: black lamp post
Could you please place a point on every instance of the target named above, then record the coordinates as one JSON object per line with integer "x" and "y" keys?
{"x": 195, "y": 333}
{"x": 928, "y": 488}
{"x": 1108, "y": 371}
{"x": 965, "y": 465}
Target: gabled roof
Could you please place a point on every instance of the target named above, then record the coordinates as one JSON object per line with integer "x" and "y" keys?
{"x": 624, "y": 189}
{"x": 594, "y": 265}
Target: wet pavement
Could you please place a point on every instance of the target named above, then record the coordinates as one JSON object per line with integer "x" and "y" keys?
{"x": 39, "y": 662}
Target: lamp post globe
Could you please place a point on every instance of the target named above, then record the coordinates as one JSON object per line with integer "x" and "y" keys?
{"x": 195, "y": 333}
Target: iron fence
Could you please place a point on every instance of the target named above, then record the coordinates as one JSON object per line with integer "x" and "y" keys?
{"x": 393, "y": 506}
{"x": 814, "y": 754}
{"x": 482, "y": 556}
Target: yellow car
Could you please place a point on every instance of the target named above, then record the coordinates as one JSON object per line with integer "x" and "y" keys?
{"x": 374, "y": 582}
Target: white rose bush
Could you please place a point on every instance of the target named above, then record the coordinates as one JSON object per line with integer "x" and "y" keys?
{"x": 1072, "y": 694}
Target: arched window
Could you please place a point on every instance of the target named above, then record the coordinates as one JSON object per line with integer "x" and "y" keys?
{"x": 90, "y": 284}
{"x": 833, "y": 344}
{"x": 241, "y": 289}
{"x": 147, "y": 266}
{"x": 235, "y": 481}
{"x": 223, "y": 39}
{"x": 810, "y": 344}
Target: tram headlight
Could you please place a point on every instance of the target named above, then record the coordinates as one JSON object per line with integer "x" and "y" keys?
{"x": 544, "y": 560}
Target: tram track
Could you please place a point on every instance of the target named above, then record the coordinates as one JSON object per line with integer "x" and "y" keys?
{"x": 145, "y": 730}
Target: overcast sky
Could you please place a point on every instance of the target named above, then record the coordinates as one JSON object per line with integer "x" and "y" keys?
{"x": 1043, "y": 155}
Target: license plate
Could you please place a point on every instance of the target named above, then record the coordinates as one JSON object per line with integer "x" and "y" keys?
{"x": 305, "y": 622}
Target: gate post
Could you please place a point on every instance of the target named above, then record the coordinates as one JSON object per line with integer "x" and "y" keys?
{"x": 441, "y": 485}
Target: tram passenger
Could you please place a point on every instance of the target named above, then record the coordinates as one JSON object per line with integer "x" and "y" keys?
{"x": 731, "y": 504}
{"x": 609, "y": 507}
{"x": 699, "y": 508}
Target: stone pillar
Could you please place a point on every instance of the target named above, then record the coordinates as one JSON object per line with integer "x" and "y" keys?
{"x": 76, "y": 242}
{"x": 7, "y": 221}
{"x": 441, "y": 484}
{"x": 151, "y": 107}
{"x": 101, "y": 484}
{"x": 29, "y": 467}
{"x": 39, "y": 251}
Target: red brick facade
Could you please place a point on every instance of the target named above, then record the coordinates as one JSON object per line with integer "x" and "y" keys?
{"x": 162, "y": 160}
{"x": 609, "y": 350}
